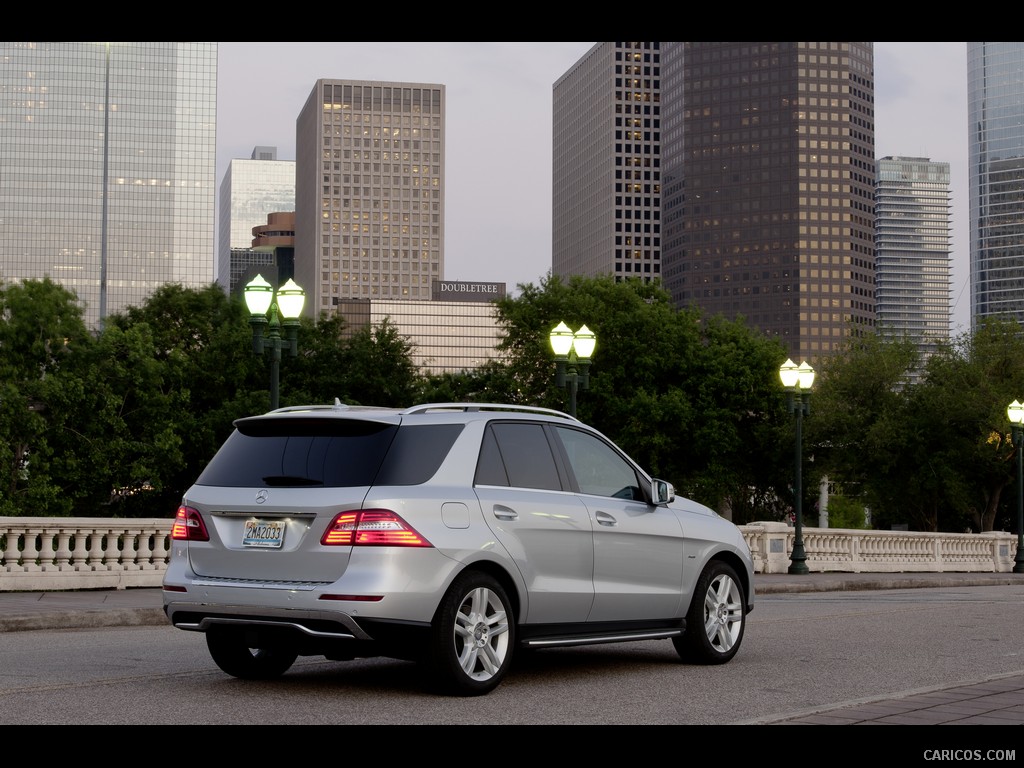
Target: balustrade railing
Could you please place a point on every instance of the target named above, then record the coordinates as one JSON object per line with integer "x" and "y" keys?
{"x": 58, "y": 553}
{"x": 61, "y": 553}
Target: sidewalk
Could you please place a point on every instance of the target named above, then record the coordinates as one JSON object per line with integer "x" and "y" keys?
{"x": 996, "y": 701}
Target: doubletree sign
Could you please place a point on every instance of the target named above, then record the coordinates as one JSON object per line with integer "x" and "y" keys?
{"x": 457, "y": 290}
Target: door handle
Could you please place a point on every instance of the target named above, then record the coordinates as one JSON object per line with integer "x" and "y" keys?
{"x": 504, "y": 513}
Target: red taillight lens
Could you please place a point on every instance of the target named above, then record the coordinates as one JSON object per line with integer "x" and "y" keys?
{"x": 371, "y": 528}
{"x": 189, "y": 525}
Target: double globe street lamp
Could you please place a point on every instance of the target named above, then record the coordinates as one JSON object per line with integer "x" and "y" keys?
{"x": 797, "y": 379}
{"x": 261, "y": 300}
{"x": 572, "y": 359}
{"x": 1015, "y": 413}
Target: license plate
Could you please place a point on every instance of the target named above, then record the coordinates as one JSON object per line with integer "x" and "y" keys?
{"x": 265, "y": 534}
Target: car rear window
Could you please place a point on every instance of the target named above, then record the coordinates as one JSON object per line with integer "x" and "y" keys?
{"x": 334, "y": 453}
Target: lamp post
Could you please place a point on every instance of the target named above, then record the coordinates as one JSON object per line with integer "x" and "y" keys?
{"x": 798, "y": 380}
{"x": 260, "y": 298}
{"x": 572, "y": 359}
{"x": 1015, "y": 412}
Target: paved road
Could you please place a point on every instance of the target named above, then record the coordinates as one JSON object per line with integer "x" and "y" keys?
{"x": 995, "y": 701}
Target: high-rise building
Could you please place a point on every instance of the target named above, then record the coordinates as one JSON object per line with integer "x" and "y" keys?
{"x": 108, "y": 153}
{"x": 251, "y": 189}
{"x": 606, "y": 179}
{"x": 768, "y": 178}
{"x": 995, "y": 120}
{"x": 912, "y": 250}
{"x": 369, "y": 192}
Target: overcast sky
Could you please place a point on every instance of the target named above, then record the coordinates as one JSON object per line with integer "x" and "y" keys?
{"x": 498, "y": 172}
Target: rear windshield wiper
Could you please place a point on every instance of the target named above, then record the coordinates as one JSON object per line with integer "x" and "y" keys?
{"x": 285, "y": 480}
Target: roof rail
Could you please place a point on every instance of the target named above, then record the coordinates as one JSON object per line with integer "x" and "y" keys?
{"x": 299, "y": 408}
{"x": 337, "y": 406}
{"x": 469, "y": 407}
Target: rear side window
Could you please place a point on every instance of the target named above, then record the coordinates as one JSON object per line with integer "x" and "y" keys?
{"x": 416, "y": 453}
{"x": 517, "y": 455}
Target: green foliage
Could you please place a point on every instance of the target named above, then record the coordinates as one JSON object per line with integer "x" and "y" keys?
{"x": 41, "y": 333}
{"x": 687, "y": 397}
{"x": 844, "y": 512}
{"x": 369, "y": 366}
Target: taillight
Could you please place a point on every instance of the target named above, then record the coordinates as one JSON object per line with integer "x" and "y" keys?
{"x": 189, "y": 525}
{"x": 371, "y": 528}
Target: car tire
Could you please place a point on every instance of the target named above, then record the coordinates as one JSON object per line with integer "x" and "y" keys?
{"x": 471, "y": 638}
{"x": 232, "y": 653}
{"x": 716, "y": 618}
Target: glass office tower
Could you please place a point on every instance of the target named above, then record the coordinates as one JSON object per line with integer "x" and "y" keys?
{"x": 108, "y": 158}
{"x": 995, "y": 113}
{"x": 912, "y": 251}
{"x": 250, "y": 190}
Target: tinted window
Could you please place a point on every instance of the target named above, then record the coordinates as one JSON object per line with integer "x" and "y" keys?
{"x": 490, "y": 470}
{"x": 281, "y": 452}
{"x": 416, "y": 453}
{"x": 523, "y": 452}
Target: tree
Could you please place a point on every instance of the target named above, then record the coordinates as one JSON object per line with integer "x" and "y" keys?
{"x": 41, "y": 329}
{"x": 687, "y": 397}
{"x": 856, "y": 430}
{"x": 962, "y": 409}
{"x": 370, "y": 366}
{"x": 188, "y": 372}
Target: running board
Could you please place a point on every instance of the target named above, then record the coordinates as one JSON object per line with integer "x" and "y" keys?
{"x": 604, "y": 637}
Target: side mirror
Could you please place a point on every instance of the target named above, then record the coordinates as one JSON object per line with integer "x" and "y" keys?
{"x": 662, "y": 492}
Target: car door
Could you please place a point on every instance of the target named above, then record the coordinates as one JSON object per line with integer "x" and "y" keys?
{"x": 638, "y": 547}
{"x": 546, "y": 528}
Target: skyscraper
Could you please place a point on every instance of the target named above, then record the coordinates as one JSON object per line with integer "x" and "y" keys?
{"x": 108, "y": 157}
{"x": 606, "y": 180}
{"x": 250, "y": 190}
{"x": 912, "y": 250}
{"x": 369, "y": 191}
{"x": 768, "y": 180}
{"x": 995, "y": 120}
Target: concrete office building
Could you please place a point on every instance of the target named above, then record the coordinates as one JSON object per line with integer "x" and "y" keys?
{"x": 606, "y": 173}
{"x": 108, "y": 153}
{"x": 768, "y": 179}
{"x": 369, "y": 194}
{"x": 250, "y": 190}
{"x": 995, "y": 119}
{"x": 456, "y": 331}
{"x": 912, "y": 251}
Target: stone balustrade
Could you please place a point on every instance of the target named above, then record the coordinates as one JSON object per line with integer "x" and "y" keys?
{"x": 865, "y": 551}
{"x": 62, "y": 553}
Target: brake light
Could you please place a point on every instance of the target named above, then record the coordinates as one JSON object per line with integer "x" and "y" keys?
{"x": 371, "y": 528}
{"x": 189, "y": 525}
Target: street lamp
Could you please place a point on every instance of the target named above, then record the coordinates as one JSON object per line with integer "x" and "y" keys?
{"x": 1015, "y": 412}
{"x": 572, "y": 359}
{"x": 259, "y": 298}
{"x": 798, "y": 380}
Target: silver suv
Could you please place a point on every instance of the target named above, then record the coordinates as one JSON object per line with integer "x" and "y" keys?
{"x": 451, "y": 534}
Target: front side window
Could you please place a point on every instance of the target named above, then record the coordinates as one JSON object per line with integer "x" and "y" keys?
{"x": 599, "y": 469}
